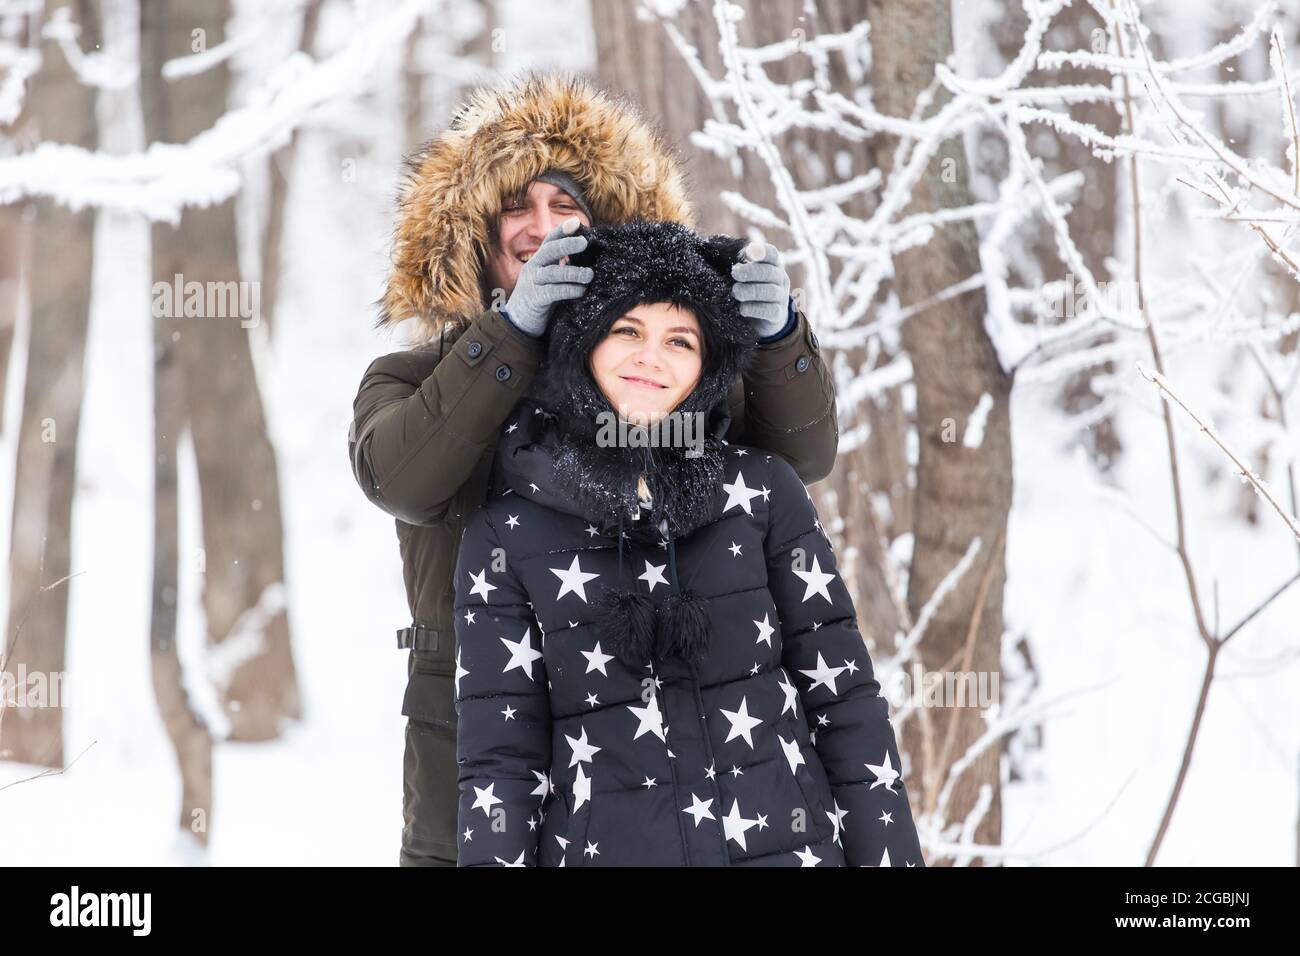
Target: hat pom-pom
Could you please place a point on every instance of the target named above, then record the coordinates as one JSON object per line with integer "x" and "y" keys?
{"x": 684, "y": 627}
{"x": 628, "y": 619}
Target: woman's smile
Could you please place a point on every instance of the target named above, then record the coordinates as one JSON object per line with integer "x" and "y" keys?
{"x": 642, "y": 382}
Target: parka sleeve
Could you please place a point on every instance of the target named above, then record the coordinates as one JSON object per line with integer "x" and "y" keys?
{"x": 790, "y": 403}
{"x": 420, "y": 422}
{"x": 503, "y": 738}
{"x": 824, "y": 654}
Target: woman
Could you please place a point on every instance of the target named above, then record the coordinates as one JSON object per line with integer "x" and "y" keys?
{"x": 656, "y": 661}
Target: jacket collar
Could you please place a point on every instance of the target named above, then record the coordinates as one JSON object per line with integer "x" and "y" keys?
{"x": 538, "y": 459}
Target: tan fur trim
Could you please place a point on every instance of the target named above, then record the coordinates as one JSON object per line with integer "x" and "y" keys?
{"x": 499, "y": 140}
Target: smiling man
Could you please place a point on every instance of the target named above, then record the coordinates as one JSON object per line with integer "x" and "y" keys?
{"x": 487, "y": 219}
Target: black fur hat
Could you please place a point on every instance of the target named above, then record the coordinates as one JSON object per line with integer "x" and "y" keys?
{"x": 637, "y": 262}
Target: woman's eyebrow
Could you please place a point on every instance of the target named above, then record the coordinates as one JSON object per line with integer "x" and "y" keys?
{"x": 676, "y": 328}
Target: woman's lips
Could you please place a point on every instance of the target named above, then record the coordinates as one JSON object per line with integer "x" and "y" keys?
{"x": 643, "y": 383}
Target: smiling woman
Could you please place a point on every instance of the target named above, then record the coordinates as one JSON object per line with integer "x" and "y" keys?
{"x": 606, "y": 592}
{"x": 650, "y": 360}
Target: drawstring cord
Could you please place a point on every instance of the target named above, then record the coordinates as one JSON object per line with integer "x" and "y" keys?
{"x": 620, "y": 546}
{"x": 672, "y": 558}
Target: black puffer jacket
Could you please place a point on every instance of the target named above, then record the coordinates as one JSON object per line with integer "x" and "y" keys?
{"x": 678, "y": 683}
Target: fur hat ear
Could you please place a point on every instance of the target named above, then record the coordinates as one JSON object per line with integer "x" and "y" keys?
{"x": 722, "y": 252}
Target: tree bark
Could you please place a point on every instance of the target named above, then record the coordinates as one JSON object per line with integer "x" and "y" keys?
{"x": 280, "y": 165}
{"x": 961, "y": 493}
{"x": 242, "y": 558}
{"x": 63, "y": 111}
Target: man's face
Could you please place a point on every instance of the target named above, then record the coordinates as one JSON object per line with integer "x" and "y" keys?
{"x": 522, "y": 225}
{"x": 649, "y": 361}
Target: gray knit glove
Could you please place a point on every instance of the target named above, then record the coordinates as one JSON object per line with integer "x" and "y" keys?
{"x": 543, "y": 281}
{"x": 762, "y": 289}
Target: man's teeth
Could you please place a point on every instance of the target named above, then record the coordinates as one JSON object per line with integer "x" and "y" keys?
{"x": 524, "y": 257}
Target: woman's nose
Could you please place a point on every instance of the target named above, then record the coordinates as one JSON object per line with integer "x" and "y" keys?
{"x": 649, "y": 355}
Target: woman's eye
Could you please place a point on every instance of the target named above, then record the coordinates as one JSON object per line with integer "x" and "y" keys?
{"x": 684, "y": 342}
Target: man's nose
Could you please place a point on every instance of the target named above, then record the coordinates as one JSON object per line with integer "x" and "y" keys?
{"x": 541, "y": 222}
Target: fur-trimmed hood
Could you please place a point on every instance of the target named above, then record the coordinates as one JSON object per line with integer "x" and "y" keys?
{"x": 498, "y": 141}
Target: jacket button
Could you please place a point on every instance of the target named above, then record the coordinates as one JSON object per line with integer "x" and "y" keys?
{"x": 503, "y": 372}
{"x": 802, "y": 364}
{"x": 475, "y": 349}
{"x": 813, "y": 336}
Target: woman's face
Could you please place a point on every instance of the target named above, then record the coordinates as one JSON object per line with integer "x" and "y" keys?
{"x": 649, "y": 361}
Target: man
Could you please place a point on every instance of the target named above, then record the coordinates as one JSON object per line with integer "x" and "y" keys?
{"x": 485, "y": 222}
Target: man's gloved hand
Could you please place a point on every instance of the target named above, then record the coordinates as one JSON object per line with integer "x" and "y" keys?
{"x": 543, "y": 281}
{"x": 763, "y": 289}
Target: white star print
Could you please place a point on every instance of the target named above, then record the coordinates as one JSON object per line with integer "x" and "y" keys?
{"x": 765, "y": 631}
{"x": 573, "y": 580}
{"x": 741, "y": 723}
{"x": 581, "y": 749}
{"x": 838, "y": 818}
{"x": 649, "y": 720}
{"x": 654, "y": 574}
{"x": 700, "y": 810}
{"x": 509, "y": 712}
{"x": 793, "y": 755}
{"x": 738, "y": 495}
{"x": 650, "y": 782}
{"x": 824, "y": 675}
{"x": 816, "y": 579}
{"x": 886, "y": 816}
{"x": 791, "y": 695}
{"x": 469, "y": 617}
{"x": 885, "y": 774}
{"x": 807, "y": 857}
{"x": 481, "y": 585}
{"x": 460, "y": 672}
{"x": 512, "y": 521}
{"x": 522, "y": 654}
{"x": 592, "y": 700}
{"x": 734, "y": 549}
{"x": 543, "y": 785}
{"x": 513, "y": 426}
{"x": 581, "y": 788}
{"x": 591, "y": 530}
{"x": 484, "y": 798}
{"x": 591, "y": 850}
{"x": 596, "y": 660}
{"x": 735, "y": 825}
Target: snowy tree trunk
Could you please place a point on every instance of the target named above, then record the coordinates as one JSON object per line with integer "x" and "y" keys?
{"x": 40, "y": 548}
{"x": 243, "y": 556}
{"x": 961, "y": 492}
{"x": 281, "y": 165}
{"x": 15, "y": 239}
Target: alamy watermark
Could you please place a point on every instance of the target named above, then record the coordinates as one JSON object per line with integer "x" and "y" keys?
{"x": 180, "y": 299}
{"x": 672, "y": 430}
